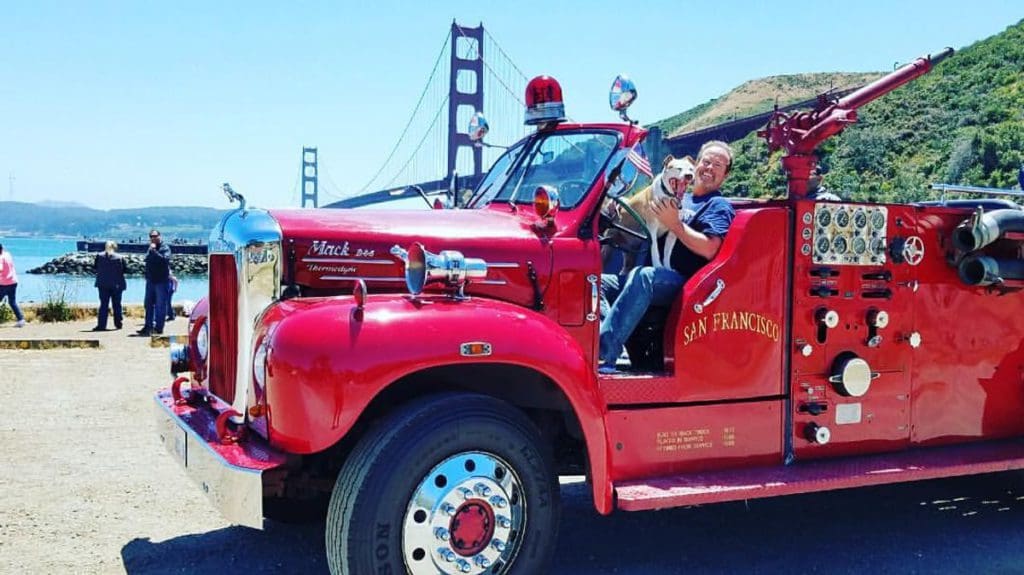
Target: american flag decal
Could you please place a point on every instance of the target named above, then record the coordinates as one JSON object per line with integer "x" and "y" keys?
{"x": 637, "y": 158}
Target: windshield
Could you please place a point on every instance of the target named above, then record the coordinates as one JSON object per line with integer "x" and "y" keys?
{"x": 568, "y": 161}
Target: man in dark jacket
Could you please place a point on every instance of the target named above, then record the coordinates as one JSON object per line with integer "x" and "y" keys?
{"x": 158, "y": 273}
{"x": 110, "y": 270}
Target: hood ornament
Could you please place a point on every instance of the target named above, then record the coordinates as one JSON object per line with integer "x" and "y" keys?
{"x": 233, "y": 195}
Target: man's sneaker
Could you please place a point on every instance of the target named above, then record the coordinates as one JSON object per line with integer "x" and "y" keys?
{"x": 144, "y": 331}
{"x": 19, "y": 323}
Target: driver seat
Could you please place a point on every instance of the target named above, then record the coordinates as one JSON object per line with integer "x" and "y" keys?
{"x": 646, "y": 345}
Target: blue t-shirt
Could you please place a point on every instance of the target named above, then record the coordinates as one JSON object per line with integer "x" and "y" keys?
{"x": 711, "y": 215}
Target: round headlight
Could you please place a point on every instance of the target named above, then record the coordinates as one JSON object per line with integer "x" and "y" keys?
{"x": 259, "y": 365}
{"x": 203, "y": 341}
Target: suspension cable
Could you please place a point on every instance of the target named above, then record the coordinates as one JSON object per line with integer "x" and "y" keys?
{"x": 510, "y": 61}
{"x": 411, "y": 117}
{"x": 420, "y": 144}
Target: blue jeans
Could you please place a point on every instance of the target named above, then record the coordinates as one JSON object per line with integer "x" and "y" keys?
{"x": 156, "y": 305}
{"x": 10, "y": 293}
{"x": 643, "y": 287}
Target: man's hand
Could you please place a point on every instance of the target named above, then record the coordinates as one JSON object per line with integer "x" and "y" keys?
{"x": 667, "y": 212}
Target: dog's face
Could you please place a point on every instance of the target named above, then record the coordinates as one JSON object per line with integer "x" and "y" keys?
{"x": 677, "y": 173}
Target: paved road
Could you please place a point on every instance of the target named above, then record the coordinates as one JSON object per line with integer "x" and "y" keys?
{"x": 86, "y": 488}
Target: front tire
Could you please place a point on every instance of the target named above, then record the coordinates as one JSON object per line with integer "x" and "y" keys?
{"x": 454, "y": 484}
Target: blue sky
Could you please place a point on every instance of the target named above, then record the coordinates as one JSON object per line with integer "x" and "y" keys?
{"x": 129, "y": 104}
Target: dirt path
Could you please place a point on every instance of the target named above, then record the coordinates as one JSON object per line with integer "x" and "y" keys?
{"x": 83, "y": 471}
{"x": 85, "y": 487}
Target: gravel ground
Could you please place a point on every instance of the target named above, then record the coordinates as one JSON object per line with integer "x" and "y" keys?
{"x": 85, "y": 487}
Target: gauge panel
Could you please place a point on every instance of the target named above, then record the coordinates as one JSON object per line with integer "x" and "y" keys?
{"x": 849, "y": 234}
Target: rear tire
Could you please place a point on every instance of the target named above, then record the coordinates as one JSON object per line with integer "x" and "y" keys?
{"x": 451, "y": 481}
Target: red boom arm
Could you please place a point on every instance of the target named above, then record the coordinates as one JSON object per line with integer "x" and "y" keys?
{"x": 802, "y": 132}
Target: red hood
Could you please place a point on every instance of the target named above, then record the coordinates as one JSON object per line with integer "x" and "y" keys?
{"x": 327, "y": 249}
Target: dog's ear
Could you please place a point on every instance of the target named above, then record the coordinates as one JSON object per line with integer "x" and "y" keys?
{"x": 668, "y": 159}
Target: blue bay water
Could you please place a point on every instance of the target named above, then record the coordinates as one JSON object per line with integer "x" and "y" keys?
{"x": 30, "y": 253}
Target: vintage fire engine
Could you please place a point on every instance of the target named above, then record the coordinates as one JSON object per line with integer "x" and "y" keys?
{"x": 428, "y": 375}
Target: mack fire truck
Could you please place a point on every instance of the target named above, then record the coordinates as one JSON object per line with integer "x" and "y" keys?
{"x": 426, "y": 376}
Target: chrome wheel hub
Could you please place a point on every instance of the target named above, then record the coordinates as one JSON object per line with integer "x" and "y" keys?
{"x": 464, "y": 517}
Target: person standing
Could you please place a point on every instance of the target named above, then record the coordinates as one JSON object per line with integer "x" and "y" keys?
{"x": 816, "y": 189}
{"x": 158, "y": 274}
{"x": 110, "y": 271}
{"x": 9, "y": 285}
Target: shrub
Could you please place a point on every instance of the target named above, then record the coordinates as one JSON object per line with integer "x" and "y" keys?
{"x": 55, "y": 306}
{"x": 6, "y": 313}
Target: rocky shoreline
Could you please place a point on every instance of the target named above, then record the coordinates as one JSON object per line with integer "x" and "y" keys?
{"x": 83, "y": 264}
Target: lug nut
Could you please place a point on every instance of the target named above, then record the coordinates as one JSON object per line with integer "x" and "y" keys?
{"x": 481, "y": 562}
{"x": 499, "y": 502}
{"x": 446, "y": 554}
{"x": 498, "y": 545}
{"x": 466, "y": 493}
{"x": 441, "y": 533}
{"x": 448, "y": 509}
{"x": 464, "y": 566}
{"x": 482, "y": 490}
{"x": 504, "y": 522}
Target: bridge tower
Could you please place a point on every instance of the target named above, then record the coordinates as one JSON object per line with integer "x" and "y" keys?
{"x": 468, "y": 68}
{"x": 309, "y": 176}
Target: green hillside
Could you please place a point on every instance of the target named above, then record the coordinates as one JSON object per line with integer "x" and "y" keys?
{"x": 761, "y": 95}
{"x": 961, "y": 123}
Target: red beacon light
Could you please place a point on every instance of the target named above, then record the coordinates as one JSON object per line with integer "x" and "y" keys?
{"x": 544, "y": 101}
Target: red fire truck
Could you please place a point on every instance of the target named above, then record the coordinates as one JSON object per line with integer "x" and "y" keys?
{"x": 428, "y": 375}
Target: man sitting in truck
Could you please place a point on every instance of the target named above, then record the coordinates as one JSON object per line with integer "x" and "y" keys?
{"x": 695, "y": 233}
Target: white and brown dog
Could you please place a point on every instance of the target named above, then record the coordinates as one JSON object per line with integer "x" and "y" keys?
{"x": 671, "y": 183}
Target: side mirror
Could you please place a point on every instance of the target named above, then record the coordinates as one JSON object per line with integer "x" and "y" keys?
{"x": 622, "y": 95}
{"x": 478, "y": 127}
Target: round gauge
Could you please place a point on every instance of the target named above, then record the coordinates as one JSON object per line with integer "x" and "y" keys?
{"x": 860, "y": 245}
{"x": 824, "y": 218}
{"x": 842, "y": 218}
{"x": 878, "y": 245}
{"x": 822, "y": 244}
{"x": 877, "y": 220}
{"x": 860, "y": 219}
{"x": 805, "y": 249}
{"x": 839, "y": 245}
{"x": 806, "y": 233}
{"x": 807, "y": 217}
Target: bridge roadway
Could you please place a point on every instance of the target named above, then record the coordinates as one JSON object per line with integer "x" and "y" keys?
{"x": 87, "y": 488}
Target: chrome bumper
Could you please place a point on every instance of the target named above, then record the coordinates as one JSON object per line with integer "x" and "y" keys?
{"x": 230, "y": 475}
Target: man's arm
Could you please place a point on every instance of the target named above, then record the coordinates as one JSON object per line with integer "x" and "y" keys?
{"x": 704, "y": 245}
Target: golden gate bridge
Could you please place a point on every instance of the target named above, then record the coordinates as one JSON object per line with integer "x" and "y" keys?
{"x": 434, "y": 151}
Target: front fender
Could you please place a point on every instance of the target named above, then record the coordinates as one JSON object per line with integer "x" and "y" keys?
{"x": 328, "y": 361}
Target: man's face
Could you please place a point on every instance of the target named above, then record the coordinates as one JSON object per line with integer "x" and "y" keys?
{"x": 154, "y": 238}
{"x": 712, "y": 167}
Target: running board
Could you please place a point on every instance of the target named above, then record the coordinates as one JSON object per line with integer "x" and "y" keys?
{"x": 820, "y": 475}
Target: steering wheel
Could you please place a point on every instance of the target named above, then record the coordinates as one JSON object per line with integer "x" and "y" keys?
{"x": 615, "y": 234}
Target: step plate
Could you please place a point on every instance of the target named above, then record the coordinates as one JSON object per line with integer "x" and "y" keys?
{"x": 732, "y": 485}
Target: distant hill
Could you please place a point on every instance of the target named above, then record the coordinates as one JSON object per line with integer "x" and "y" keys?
{"x": 761, "y": 95}
{"x": 963, "y": 122}
{"x": 24, "y": 219}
